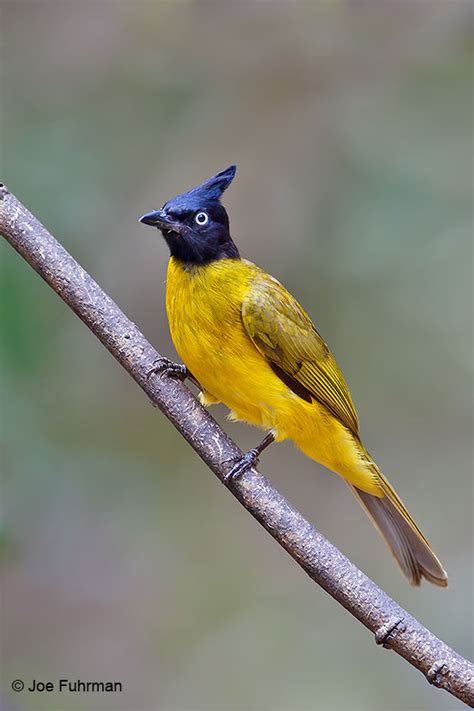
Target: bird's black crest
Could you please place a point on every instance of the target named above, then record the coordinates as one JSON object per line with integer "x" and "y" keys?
{"x": 192, "y": 240}
{"x": 210, "y": 191}
{"x": 215, "y": 186}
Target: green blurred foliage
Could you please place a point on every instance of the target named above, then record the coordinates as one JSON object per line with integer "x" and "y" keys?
{"x": 351, "y": 124}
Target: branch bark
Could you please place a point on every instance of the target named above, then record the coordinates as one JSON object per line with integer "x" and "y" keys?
{"x": 392, "y": 626}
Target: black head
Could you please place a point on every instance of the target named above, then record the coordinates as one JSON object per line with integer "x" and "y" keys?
{"x": 194, "y": 224}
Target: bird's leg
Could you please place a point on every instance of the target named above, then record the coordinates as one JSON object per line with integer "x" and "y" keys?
{"x": 165, "y": 366}
{"x": 248, "y": 460}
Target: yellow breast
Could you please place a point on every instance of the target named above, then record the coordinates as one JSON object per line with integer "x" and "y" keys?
{"x": 204, "y": 313}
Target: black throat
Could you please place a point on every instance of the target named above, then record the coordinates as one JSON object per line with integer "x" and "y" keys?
{"x": 194, "y": 250}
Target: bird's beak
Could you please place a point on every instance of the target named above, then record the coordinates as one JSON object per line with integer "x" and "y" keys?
{"x": 158, "y": 218}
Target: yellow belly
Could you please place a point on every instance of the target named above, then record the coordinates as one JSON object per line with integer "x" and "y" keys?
{"x": 203, "y": 306}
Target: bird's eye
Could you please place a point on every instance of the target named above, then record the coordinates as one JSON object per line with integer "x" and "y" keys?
{"x": 202, "y": 218}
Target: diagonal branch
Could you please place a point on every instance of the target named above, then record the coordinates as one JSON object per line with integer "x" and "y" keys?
{"x": 392, "y": 626}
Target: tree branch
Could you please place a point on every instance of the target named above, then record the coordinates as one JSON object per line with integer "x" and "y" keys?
{"x": 392, "y": 626}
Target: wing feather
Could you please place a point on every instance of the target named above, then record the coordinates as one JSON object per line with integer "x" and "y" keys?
{"x": 283, "y": 332}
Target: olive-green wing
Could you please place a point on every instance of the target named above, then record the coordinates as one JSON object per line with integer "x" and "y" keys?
{"x": 283, "y": 332}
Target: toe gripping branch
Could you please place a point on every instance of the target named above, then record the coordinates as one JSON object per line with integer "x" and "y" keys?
{"x": 248, "y": 460}
{"x": 165, "y": 366}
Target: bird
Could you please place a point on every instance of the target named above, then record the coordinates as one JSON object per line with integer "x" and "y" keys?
{"x": 248, "y": 343}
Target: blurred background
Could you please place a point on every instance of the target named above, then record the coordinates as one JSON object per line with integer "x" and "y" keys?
{"x": 123, "y": 558}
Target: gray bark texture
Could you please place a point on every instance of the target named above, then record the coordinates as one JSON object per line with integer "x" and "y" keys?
{"x": 392, "y": 626}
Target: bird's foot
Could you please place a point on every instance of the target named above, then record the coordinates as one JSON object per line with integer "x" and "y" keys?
{"x": 165, "y": 366}
{"x": 248, "y": 460}
{"x": 242, "y": 464}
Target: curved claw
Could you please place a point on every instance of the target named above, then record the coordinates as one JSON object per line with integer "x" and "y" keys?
{"x": 242, "y": 465}
{"x": 165, "y": 366}
{"x": 248, "y": 460}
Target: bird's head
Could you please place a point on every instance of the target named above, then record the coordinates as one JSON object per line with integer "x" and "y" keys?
{"x": 194, "y": 224}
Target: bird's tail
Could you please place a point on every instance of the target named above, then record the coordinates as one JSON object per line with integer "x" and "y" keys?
{"x": 409, "y": 547}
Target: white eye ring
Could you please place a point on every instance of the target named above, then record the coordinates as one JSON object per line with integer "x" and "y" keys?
{"x": 202, "y": 218}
